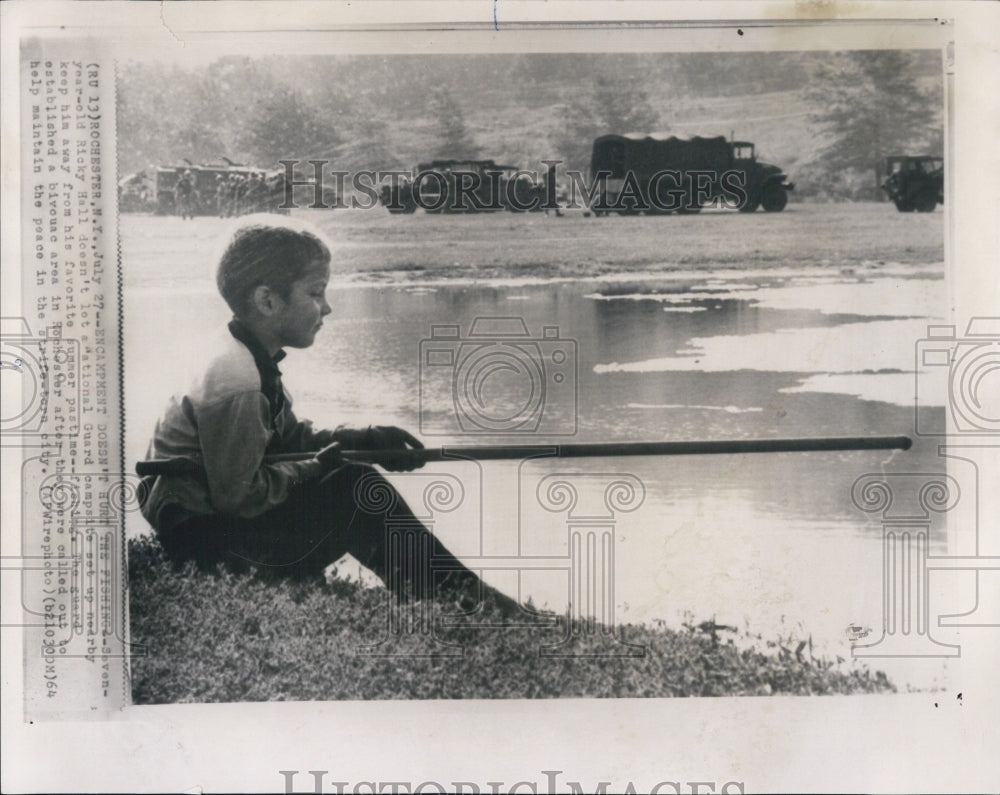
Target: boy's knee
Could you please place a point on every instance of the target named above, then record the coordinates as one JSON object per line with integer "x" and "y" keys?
{"x": 345, "y": 478}
{"x": 181, "y": 546}
{"x": 372, "y": 493}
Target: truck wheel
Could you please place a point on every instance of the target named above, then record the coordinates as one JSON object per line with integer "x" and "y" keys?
{"x": 774, "y": 198}
{"x": 903, "y": 205}
{"x": 750, "y": 205}
{"x": 925, "y": 203}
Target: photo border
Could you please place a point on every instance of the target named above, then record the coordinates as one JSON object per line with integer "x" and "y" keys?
{"x": 851, "y": 743}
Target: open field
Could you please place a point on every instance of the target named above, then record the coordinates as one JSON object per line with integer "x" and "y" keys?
{"x": 373, "y": 245}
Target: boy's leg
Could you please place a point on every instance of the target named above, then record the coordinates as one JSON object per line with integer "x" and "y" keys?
{"x": 393, "y": 543}
{"x": 321, "y": 521}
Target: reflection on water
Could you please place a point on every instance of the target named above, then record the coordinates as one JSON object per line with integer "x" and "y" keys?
{"x": 757, "y": 538}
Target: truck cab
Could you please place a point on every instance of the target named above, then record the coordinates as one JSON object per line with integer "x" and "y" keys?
{"x": 914, "y": 182}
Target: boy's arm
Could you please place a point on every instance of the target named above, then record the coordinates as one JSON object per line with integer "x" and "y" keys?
{"x": 298, "y": 435}
{"x": 234, "y": 435}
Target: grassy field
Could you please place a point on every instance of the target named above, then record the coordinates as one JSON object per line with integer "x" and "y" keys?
{"x": 372, "y": 245}
{"x": 220, "y": 637}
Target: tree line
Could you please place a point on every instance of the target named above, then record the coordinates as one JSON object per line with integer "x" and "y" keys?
{"x": 836, "y": 115}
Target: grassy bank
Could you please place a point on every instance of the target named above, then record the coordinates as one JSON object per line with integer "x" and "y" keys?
{"x": 236, "y": 638}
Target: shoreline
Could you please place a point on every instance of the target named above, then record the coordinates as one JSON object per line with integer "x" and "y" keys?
{"x": 298, "y": 641}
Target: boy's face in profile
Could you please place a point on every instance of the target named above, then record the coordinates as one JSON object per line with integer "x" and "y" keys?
{"x": 302, "y": 314}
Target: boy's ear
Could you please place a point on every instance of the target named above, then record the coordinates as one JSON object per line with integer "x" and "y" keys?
{"x": 265, "y": 300}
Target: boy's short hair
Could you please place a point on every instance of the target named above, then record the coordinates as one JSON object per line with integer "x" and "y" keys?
{"x": 267, "y": 253}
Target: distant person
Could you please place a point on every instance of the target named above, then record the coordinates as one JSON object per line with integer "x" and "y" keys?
{"x": 241, "y": 194}
{"x": 220, "y": 195}
{"x": 290, "y": 518}
{"x": 184, "y": 193}
{"x": 231, "y": 195}
{"x": 255, "y": 193}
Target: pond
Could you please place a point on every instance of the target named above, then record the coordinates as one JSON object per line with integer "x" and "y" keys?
{"x": 771, "y": 543}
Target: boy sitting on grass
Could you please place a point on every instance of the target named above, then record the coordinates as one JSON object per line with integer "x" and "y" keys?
{"x": 288, "y": 518}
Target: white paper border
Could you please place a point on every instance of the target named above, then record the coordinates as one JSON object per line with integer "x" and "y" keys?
{"x": 898, "y": 743}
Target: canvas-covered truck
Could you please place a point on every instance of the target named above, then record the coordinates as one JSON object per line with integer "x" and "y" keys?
{"x": 658, "y": 175}
{"x": 914, "y": 183}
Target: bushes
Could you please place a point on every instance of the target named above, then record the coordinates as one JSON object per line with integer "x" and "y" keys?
{"x": 222, "y": 637}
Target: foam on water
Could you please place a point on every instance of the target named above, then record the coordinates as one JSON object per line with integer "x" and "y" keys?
{"x": 850, "y": 348}
{"x": 873, "y": 360}
{"x": 902, "y": 295}
{"x": 874, "y": 297}
{"x": 676, "y": 297}
{"x": 684, "y": 406}
{"x": 885, "y": 387}
{"x": 660, "y": 272}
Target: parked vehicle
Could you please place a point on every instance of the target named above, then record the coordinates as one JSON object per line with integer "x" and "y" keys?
{"x": 914, "y": 183}
{"x": 464, "y": 186}
{"x": 657, "y": 175}
{"x": 228, "y": 189}
{"x": 136, "y": 193}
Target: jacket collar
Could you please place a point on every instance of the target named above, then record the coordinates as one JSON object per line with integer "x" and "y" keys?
{"x": 265, "y": 362}
{"x": 267, "y": 366}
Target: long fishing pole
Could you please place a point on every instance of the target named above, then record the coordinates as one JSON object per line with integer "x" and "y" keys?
{"x": 179, "y": 466}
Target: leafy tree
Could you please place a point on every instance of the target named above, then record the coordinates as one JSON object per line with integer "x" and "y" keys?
{"x": 455, "y": 140}
{"x": 284, "y": 125}
{"x": 871, "y": 104}
{"x": 164, "y": 116}
{"x": 367, "y": 144}
{"x": 616, "y": 104}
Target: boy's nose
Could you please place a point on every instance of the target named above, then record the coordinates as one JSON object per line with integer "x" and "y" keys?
{"x": 327, "y": 309}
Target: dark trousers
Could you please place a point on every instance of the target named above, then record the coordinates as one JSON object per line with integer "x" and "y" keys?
{"x": 316, "y": 525}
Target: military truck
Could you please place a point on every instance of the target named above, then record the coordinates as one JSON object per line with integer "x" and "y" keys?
{"x": 221, "y": 189}
{"x": 464, "y": 186}
{"x": 205, "y": 179}
{"x": 914, "y": 183}
{"x": 136, "y": 193}
{"x": 659, "y": 175}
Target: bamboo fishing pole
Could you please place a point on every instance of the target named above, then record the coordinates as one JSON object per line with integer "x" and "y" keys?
{"x": 178, "y": 466}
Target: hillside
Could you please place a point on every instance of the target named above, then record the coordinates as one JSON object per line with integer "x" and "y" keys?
{"x": 826, "y": 118}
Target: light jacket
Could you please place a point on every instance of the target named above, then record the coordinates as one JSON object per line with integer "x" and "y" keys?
{"x": 233, "y": 414}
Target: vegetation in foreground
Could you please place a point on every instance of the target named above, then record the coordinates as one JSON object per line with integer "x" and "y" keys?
{"x": 220, "y": 637}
